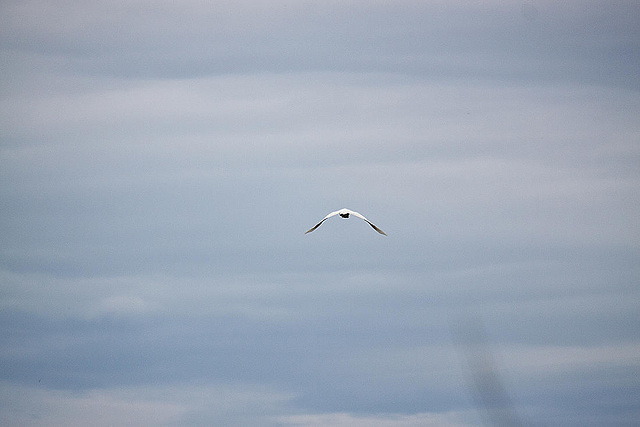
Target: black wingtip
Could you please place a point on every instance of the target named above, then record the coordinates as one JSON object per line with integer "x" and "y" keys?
{"x": 314, "y": 227}
{"x": 376, "y": 228}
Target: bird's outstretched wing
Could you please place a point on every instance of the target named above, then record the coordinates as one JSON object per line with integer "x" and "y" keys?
{"x": 320, "y": 223}
{"x": 368, "y": 222}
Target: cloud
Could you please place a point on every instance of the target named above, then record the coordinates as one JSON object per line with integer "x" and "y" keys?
{"x": 439, "y": 39}
{"x": 156, "y": 180}
{"x": 173, "y": 405}
{"x": 343, "y": 419}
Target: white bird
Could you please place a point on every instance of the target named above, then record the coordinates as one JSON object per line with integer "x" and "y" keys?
{"x": 344, "y": 213}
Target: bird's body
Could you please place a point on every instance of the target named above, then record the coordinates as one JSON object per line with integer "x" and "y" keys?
{"x": 344, "y": 213}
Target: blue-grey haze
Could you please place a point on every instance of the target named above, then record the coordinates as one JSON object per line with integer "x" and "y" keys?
{"x": 161, "y": 161}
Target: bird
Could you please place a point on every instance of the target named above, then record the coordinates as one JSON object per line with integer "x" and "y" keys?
{"x": 344, "y": 213}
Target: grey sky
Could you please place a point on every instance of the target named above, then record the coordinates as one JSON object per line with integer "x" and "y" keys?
{"x": 161, "y": 161}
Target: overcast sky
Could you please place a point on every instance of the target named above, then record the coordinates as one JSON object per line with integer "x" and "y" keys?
{"x": 160, "y": 162}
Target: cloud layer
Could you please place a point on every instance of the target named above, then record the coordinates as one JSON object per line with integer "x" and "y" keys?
{"x": 160, "y": 162}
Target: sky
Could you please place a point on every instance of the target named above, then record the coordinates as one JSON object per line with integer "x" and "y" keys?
{"x": 160, "y": 162}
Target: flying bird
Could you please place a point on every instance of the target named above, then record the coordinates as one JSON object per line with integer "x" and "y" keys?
{"x": 344, "y": 213}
